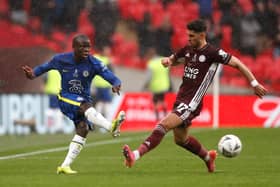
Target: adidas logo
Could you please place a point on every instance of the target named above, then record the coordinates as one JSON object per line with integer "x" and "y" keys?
{"x": 147, "y": 143}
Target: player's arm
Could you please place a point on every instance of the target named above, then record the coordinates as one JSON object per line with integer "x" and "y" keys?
{"x": 32, "y": 73}
{"x": 171, "y": 61}
{"x": 116, "y": 88}
{"x": 108, "y": 75}
{"x": 29, "y": 73}
{"x": 113, "y": 80}
{"x": 168, "y": 61}
{"x": 176, "y": 58}
{"x": 259, "y": 90}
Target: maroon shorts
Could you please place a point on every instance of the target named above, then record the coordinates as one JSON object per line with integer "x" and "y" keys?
{"x": 182, "y": 111}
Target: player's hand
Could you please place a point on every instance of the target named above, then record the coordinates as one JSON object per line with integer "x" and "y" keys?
{"x": 166, "y": 62}
{"x": 260, "y": 91}
{"x": 116, "y": 89}
{"x": 28, "y": 71}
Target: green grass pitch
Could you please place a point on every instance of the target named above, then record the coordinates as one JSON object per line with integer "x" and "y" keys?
{"x": 100, "y": 164}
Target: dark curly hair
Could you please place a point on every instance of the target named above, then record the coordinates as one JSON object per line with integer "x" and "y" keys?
{"x": 197, "y": 26}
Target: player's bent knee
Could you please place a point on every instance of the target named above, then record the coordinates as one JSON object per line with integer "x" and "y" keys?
{"x": 170, "y": 122}
{"x": 82, "y": 129}
{"x": 84, "y": 106}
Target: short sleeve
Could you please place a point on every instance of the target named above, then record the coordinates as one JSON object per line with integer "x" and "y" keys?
{"x": 221, "y": 56}
{"x": 180, "y": 53}
{"x": 98, "y": 65}
{"x": 51, "y": 64}
{"x": 100, "y": 69}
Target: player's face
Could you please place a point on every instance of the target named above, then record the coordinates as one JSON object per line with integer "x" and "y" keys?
{"x": 82, "y": 48}
{"x": 194, "y": 38}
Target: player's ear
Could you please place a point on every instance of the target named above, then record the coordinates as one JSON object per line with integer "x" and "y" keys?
{"x": 202, "y": 34}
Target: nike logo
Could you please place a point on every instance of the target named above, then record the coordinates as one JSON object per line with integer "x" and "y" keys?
{"x": 65, "y": 70}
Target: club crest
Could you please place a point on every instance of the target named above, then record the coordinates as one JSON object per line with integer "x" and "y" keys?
{"x": 85, "y": 73}
{"x": 202, "y": 58}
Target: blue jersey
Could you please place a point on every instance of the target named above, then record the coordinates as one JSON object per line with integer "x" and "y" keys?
{"x": 76, "y": 78}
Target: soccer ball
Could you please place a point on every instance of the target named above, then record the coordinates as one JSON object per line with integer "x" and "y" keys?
{"x": 230, "y": 146}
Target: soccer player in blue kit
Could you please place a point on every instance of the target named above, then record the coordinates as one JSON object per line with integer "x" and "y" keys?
{"x": 77, "y": 69}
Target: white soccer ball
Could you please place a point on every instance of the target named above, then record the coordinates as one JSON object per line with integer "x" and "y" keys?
{"x": 230, "y": 146}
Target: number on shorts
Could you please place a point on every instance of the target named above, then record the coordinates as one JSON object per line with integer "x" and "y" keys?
{"x": 181, "y": 107}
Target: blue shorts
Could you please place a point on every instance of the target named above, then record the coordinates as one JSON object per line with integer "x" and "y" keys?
{"x": 53, "y": 101}
{"x": 103, "y": 94}
{"x": 69, "y": 105}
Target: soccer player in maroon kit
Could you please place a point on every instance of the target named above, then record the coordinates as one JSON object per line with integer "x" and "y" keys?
{"x": 201, "y": 61}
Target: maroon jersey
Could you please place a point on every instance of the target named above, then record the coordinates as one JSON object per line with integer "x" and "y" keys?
{"x": 199, "y": 70}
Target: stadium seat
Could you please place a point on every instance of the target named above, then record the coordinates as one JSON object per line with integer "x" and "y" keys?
{"x": 232, "y": 76}
{"x": 274, "y": 74}
{"x": 4, "y": 24}
{"x": 129, "y": 58}
{"x": 262, "y": 65}
{"x": 124, "y": 8}
{"x": 178, "y": 40}
{"x": 58, "y": 36}
{"x": 68, "y": 46}
{"x": 84, "y": 24}
{"x": 247, "y": 60}
{"x": 117, "y": 42}
{"x": 27, "y": 5}
{"x": 246, "y": 5}
{"x": 229, "y": 71}
{"x": 4, "y": 8}
{"x": 215, "y": 4}
{"x": 157, "y": 14}
{"x": 126, "y": 52}
{"x": 234, "y": 52}
{"x": 34, "y": 24}
{"x": 54, "y": 46}
{"x": 216, "y": 16}
{"x": 175, "y": 10}
{"x": 137, "y": 11}
{"x": 39, "y": 39}
{"x": 191, "y": 11}
{"x": 227, "y": 37}
{"x": 17, "y": 29}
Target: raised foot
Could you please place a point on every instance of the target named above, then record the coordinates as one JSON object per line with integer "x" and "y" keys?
{"x": 116, "y": 124}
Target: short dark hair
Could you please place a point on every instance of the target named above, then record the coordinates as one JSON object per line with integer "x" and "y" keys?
{"x": 79, "y": 37}
{"x": 197, "y": 26}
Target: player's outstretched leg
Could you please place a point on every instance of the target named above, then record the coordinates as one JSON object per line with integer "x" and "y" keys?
{"x": 210, "y": 163}
{"x": 116, "y": 124}
{"x": 129, "y": 156}
{"x": 150, "y": 143}
{"x": 98, "y": 119}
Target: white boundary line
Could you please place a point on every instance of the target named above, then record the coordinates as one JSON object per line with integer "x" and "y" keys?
{"x": 93, "y": 144}
{"x": 58, "y": 149}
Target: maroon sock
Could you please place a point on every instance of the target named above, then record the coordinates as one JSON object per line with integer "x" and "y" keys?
{"x": 153, "y": 140}
{"x": 194, "y": 146}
